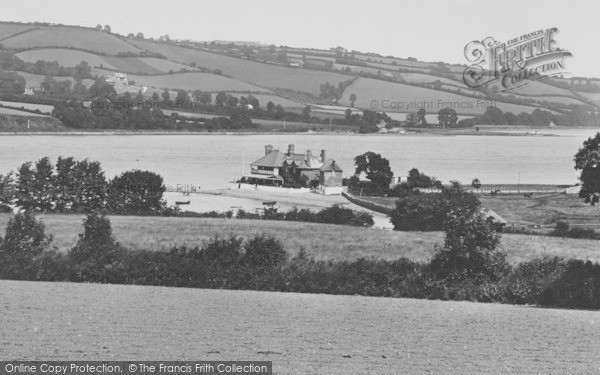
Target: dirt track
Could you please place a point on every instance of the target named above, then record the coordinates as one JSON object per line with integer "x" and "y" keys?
{"x": 300, "y": 333}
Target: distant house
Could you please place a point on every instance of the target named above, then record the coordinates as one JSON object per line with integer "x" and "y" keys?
{"x": 28, "y": 91}
{"x": 277, "y": 168}
{"x": 551, "y": 124}
{"x": 118, "y": 79}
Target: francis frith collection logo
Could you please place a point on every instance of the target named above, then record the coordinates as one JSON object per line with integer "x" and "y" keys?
{"x": 515, "y": 62}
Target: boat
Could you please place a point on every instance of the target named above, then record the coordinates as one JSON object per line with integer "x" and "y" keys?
{"x": 182, "y": 202}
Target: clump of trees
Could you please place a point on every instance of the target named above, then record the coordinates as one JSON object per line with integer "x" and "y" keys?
{"x": 427, "y": 212}
{"x": 81, "y": 186}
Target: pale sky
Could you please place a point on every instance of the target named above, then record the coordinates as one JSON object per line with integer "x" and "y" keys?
{"x": 430, "y": 30}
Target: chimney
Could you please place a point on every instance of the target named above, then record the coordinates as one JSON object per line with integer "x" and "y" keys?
{"x": 308, "y": 157}
{"x": 323, "y": 156}
{"x": 291, "y": 149}
{"x": 268, "y": 149}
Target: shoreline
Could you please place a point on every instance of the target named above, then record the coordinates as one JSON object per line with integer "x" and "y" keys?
{"x": 497, "y": 132}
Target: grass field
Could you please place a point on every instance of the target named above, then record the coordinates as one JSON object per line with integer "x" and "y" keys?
{"x": 192, "y": 81}
{"x": 65, "y": 57}
{"x": 367, "y": 90}
{"x": 537, "y": 88}
{"x": 8, "y": 29}
{"x": 325, "y": 241}
{"x": 34, "y": 80}
{"x": 70, "y": 37}
{"x": 259, "y": 74}
{"x": 300, "y": 333}
{"x": 44, "y": 108}
{"x": 16, "y": 112}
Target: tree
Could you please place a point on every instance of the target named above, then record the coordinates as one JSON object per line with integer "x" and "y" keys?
{"x": 411, "y": 119}
{"x": 165, "y": 95}
{"x": 470, "y": 248}
{"x": 447, "y": 117}
{"x": 12, "y": 83}
{"x": 107, "y": 29}
{"x": 220, "y": 99}
{"x": 98, "y": 27}
{"x": 306, "y": 113}
{"x": 25, "y": 237}
{"x": 421, "y": 119}
{"x": 587, "y": 160}
{"x": 7, "y": 191}
{"x": 136, "y": 192}
{"x": 205, "y": 98}
{"x": 83, "y": 70}
{"x": 102, "y": 89}
{"x": 182, "y": 96}
{"x": 352, "y": 99}
{"x": 376, "y": 168}
{"x": 476, "y": 184}
{"x": 139, "y": 36}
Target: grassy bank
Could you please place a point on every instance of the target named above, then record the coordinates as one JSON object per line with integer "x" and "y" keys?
{"x": 325, "y": 241}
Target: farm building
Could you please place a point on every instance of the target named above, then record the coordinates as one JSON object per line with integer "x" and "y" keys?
{"x": 277, "y": 168}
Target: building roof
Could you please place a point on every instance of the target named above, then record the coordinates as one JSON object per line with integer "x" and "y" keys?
{"x": 330, "y": 165}
{"x": 272, "y": 159}
{"x": 276, "y": 159}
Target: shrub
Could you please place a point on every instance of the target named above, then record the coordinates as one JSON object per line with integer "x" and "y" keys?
{"x": 96, "y": 252}
{"x": 577, "y": 287}
{"x": 426, "y": 212}
{"x": 562, "y": 229}
{"x": 264, "y": 252}
{"x": 528, "y": 280}
{"x": 470, "y": 248}
{"x": 24, "y": 241}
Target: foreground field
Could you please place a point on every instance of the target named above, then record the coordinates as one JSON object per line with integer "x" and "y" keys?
{"x": 337, "y": 242}
{"x": 300, "y": 333}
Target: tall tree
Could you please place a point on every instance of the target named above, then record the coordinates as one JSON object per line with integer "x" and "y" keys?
{"x": 376, "y": 168}
{"x": 587, "y": 160}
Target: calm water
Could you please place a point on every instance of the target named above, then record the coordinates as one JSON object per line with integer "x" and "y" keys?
{"x": 211, "y": 161}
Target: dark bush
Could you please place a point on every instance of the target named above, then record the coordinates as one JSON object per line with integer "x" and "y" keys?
{"x": 563, "y": 229}
{"x": 264, "y": 252}
{"x": 577, "y": 287}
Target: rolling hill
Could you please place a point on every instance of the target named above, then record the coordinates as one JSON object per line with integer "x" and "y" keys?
{"x": 401, "y": 79}
{"x": 69, "y": 37}
{"x": 373, "y": 93}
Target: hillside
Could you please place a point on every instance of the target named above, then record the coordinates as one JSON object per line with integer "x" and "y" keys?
{"x": 291, "y": 77}
{"x": 397, "y": 97}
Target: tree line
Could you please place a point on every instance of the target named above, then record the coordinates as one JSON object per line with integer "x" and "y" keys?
{"x": 76, "y": 186}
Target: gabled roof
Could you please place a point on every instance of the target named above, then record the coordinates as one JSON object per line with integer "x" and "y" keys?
{"x": 330, "y": 165}
{"x": 272, "y": 159}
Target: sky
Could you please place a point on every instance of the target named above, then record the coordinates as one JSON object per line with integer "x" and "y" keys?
{"x": 429, "y": 30}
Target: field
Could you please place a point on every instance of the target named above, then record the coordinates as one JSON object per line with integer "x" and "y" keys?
{"x": 300, "y": 333}
{"x": 8, "y": 29}
{"x": 34, "y": 80}
{"x": 16, "y": 112}
{"x": 325, "y": 241}
{"x": 367, "y": 90}
{"x": 65, "y": 57}
{"x": 69, "y": 37}
{"x": 259, "y": 74}
{"x": 537, "y": 88}
{"x": 191, "y": 81}
{"x": 44, "y": 108}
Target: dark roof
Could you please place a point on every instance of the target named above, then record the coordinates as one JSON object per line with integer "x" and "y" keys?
{"x": 272, "y": 159}
{"x": 330, "y": 165}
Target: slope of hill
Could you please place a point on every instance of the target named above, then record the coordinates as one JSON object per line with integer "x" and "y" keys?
{"x": 65, "y": 57}
{"x": 372, "y": 93}
{"x": 69, "y": 37}
{"x": 259, "y": 74}
{"x": 190, "y": 81}
{"x": 9, "y": 29}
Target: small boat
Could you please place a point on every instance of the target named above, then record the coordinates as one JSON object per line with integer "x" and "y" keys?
{"x": 182, "y": 202}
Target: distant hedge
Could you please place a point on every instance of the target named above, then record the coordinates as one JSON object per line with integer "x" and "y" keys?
{"x": 261, "y": 263}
